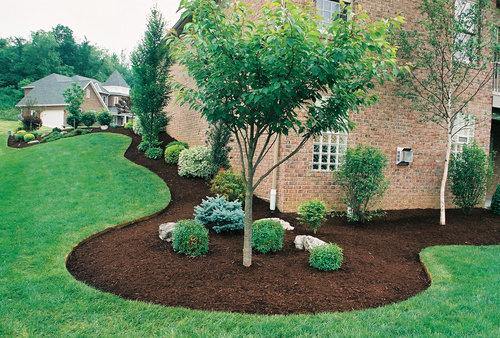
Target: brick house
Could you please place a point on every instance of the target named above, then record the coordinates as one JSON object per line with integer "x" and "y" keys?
{"x": 388, "y": 125}
{"x": 45, "y": 97}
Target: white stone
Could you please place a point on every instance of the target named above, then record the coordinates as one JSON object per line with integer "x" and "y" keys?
{"x": 33, "y": 142}
{"x": 286, "y": 225}
{"x": 165, "y": 231}
{"x": 307, "y": 242}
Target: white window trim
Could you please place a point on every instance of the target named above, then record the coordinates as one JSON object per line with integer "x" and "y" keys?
{"x": 321, "y": 9}
{"x": 332, "y": 139}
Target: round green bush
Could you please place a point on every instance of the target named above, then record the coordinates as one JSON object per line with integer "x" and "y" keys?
{"x": 230, "y": 185}
{"x": 326, "y": 257}
{"x": 19, "y": 137}
{"x": 21, "y": 132}
{"x": 312, "y": 213}
{"x": 495, "y": 201}
{"x": 88, "y": 118}
{"x": 184, "y": 144}
{"x": 267, "y": 236}
{"x": 154, "y": 153}
{"x": 73, "y": 120}
{"x": 190, "y": 238}
{"x": 28, "y": 137}
{"x": 172, "y": 153}
{"x": 104, "y": 118}
{"x": 195, "y": 162}
{"x": 129, "y": 125}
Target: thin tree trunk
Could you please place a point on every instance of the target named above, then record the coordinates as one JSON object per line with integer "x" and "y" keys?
{"x": 247, "y": 237}
{"x": 442, "y": 194}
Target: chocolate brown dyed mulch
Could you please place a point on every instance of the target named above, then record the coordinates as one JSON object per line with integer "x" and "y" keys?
{"x": 381, "y": 259}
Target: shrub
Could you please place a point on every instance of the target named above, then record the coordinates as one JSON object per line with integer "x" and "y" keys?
{"x": 19, "y": 137}
{"x": 312, "y": 214}
{"x": 230, "y": 185}
{"x": 88, "y": 118}
{"x": 267, "y": 236}
{"x": 31, "y": 122}
{"x": 326, "y": 257}
{"x": 172, "y": 153}
{"x": 56, "y": 129}
{"x": 137, "y": 127}
{"x": 21, "y": 132}
{"x": 154, "y": 153}
{"x": 195, "y": 162}
{"x": 218, "y": 142}
{"x": 129, "y": 125}
{"x": 143, "y": 146}
{"x": 28, "y": 137}
{"x": 173, "y": 143}
{"x": 190, "y": 238}
{"x": 219, "y": 214}
{"x": 469, "y": 175}
{"x": 495, "y": 201}
{"x": 55, "y": 135}
{"x": 361, "y": 178}
{"x": 104, "y": 118}
{"x": 73, "y": 120}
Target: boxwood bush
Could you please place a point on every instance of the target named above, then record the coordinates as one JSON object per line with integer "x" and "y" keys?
{"x": 312, "y": 213}
{"x": 267, "y": 236}
{"x": 28, "y": 137}
{"x": 495, "y": 201}
{"x": 19, "y": 137}
{"x": 154, "y": 153}
{"x": 88, "y": 118}
{"x": 172, "y": 153}
{"x": 230, "y": 185}
{"x": 219, "y": 214}
{"x": 195, "y": 162}
{"x": 190, "y": 237}
{"x": 469, "y": 171}
{"x": 326, "y": 257}
{"x": 173, "y": 143}
{"x": 104, "y": 118}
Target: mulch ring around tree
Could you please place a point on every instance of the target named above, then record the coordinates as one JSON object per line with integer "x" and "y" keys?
{"x": 381, "y": 259}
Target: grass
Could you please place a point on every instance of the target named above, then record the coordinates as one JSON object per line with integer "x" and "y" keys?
{"x": 9, "y": 114}
{"x": 56, "y": 194}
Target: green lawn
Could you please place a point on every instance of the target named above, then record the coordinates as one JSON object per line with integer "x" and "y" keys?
{"x": 56, "y": 194}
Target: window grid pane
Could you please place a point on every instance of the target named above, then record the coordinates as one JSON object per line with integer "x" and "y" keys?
{"x": 328, "y": 10}
{"x": 465, "y": 135}
{"x": 328, "y": 151}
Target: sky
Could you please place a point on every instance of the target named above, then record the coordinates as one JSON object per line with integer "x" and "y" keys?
{"x": 116, "y": 25}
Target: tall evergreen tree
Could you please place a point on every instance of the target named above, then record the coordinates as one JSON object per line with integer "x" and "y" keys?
{"x": 151, "y": 63}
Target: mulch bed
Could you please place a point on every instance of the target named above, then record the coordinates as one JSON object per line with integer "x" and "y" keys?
{"x": 381, "y": 263}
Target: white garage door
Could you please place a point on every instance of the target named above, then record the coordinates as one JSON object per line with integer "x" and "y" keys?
{"x": 52, "y": 118}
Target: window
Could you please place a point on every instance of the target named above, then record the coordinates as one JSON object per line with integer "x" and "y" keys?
{"x": 87, "y": 93}
{"x": 329, "y": 151}
{"x": 466, "y": 20}
{"x": 32, "y": 112}
{"x": 462, "y": 133}
{"x": 329, "y": 10}
{"x": 116, "y": 99}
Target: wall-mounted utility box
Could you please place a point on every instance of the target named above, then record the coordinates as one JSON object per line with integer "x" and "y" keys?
{"x": 404, "y": 156}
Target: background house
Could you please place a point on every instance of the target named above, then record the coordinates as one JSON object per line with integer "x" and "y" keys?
{"x": 390, "y": 124}
{"x": 45, "y": 97}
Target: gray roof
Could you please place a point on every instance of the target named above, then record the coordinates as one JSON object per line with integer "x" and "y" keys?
{"x": 116, "y": 79}
{"x": 49, "y": 90}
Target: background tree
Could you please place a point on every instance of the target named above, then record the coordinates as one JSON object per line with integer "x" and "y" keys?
{"x": 254, "y": 75}
{"x": 449, "y": 60}
{"x": 151, "y": 63}
{"x": 73, "y": 96}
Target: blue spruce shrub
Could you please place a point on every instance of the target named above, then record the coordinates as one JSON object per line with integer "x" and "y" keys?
{"x": 219, "y": 214}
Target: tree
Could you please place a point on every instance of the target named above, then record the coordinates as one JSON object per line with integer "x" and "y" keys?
{"x": 255, "y": 75}
{"x": 151, "y": 63}
{"x": 449, "y": 62}
{"x": 73, "y": 96}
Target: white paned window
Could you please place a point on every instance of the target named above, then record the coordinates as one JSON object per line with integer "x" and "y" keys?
{"x": 329, "y": 10}
{"x": 329, "y": 151}
{"x": 463, "y": 40}
{"x": 462, "y": 133}
{"x": 87, "y": 93}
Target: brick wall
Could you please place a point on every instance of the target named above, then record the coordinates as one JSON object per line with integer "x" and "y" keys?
{"x": 389, "y": 124}
{"x": 92, "y": 103}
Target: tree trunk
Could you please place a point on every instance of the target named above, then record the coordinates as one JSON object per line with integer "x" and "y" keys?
{"x": 247, "y": 237}
{"x": 442, "y": 194}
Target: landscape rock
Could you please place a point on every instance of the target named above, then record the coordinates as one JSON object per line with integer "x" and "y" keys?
{"x": 165, "y": 231}
{"x": 286, "y": 225}
{"x": 33, "y": 142}
{"x": 307, "y": 242}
